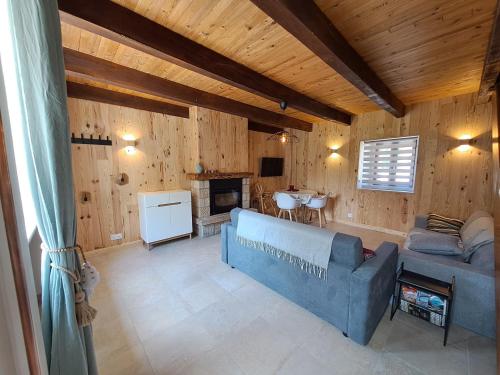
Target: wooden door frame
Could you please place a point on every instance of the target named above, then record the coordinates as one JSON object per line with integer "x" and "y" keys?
{"x": 18, "y": 269}
{"x": 496, "y": 214}
{"x": 24, "y": 314}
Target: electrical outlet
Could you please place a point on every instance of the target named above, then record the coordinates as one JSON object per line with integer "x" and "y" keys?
{"x": 116, "y": 236}
{"x": 349, "y": 215}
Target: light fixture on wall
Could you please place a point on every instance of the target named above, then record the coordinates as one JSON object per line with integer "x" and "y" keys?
{"x": 466, "y": 141}
{"x": 283, "y": 136}
{"x": 130, "y": 144}
{"x": 334, "y": 151}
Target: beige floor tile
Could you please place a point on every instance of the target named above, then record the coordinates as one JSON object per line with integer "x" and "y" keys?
{"x": 293, "y": 321}
{"x": 114, "y": 333}
{"x": 230, "y": 279}
{"x": 171, "y": 351}
{"x": 481, "y": 356}
{"x": 177, "y": 309}
{"x": 300, "y": 362}
{"x": 202, "y": 294}
{"x": 425, "y": 351}
{"x": 227, "y": 316}
{"x": 214, "y": 362}
{"x": 153, "y": 319}
{"x": 126, "y": 360}
{"x": 259, "y": 348}
{"x": 334, "y": 350}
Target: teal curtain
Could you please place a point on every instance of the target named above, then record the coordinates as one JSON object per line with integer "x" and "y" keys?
{"x": 36, "y": 37}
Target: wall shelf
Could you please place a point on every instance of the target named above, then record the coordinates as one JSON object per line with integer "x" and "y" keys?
{"x": 217, "y": 176}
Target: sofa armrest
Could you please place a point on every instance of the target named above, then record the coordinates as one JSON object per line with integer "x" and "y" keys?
{"x": 421, "y": 221}
{"x": 371, "y": 287}
{"x": 474, "y": 297}
{"x": 223, "y": 240}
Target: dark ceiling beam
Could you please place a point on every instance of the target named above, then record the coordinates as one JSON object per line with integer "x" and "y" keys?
{"x": 112, "y": 21}
{"x": 305, "y": 20}
{"x": 491, "y": 68}
{"x": 256, "y": 127}
{"x": 96, "y": 94}
{"x": 107, "y": 72}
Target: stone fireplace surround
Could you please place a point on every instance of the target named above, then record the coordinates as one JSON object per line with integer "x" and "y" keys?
{"x": 206, "y": 225}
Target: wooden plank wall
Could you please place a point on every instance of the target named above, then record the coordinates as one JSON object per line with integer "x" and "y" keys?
{"x": 259, "y": 147}
{"x": 167, "y": 148}
{"x": 223, "y": 140}
{"x": 449, "y": 182}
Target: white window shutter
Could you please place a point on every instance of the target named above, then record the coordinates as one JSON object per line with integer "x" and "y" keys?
{"x": 388, "y": 164}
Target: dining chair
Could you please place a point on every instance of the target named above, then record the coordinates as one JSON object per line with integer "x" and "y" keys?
{"x": 265, "y": 199}
{"x": 318, "y": 204}
{"x": 287, "y": 203}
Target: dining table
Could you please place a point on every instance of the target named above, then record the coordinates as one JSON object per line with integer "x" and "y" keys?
{"x": 304, "y": 195}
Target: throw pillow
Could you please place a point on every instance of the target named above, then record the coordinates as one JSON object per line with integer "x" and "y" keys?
{"x": 443, "y": 224}
{"x": 434, "y": 243}
{"x": 368, "y": 254}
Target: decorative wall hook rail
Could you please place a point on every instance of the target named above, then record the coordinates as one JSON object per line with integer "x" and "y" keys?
{"x": 91, "y": 141}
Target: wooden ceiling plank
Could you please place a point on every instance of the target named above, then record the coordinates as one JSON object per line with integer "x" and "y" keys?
{"x": 491, "y": 68}
{"x": 96, "y": 94}
{"x": 257, "y": 127}
{"x": 117, "y": 23}
{"x": 110, "y": 73}
{"x": 305, "y": 21}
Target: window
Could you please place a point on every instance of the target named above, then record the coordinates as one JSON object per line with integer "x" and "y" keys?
{"x": 10, "y": 75}
{"x": 388, "y": 164}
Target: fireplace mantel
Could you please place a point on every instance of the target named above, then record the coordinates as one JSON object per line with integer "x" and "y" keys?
{"x": 217, "y": 176}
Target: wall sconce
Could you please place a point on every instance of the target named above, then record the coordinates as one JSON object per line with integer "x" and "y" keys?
{"x": 466, "y": 142}
{"x": 131, "y": 149}
{"x": 334, "y": 152}
{"x": 130, "y": 144}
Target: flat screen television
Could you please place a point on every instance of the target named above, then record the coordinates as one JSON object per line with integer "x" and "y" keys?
{"x": 270, "y": 167}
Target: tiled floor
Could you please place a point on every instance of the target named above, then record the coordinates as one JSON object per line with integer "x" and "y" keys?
{"x": 179, "y": 310}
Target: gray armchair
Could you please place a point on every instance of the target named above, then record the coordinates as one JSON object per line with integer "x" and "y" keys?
{"x": 474, "y": 300}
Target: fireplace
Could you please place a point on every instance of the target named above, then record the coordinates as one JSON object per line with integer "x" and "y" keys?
{"x": 225, "y": 194}
{"x": 214, "y": 195}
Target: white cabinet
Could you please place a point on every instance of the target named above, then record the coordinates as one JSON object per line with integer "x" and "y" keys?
{"x": 164, "y": 215}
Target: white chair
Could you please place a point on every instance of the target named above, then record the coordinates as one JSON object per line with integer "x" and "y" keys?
{"x": 287, "y": 203}
{"x": 318, "y": 204}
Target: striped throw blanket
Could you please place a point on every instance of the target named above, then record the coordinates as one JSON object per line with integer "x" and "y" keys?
{"x": 305, "y": 246}
{"x": 442, "y": 224}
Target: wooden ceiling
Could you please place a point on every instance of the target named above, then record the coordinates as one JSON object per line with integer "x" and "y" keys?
{"x": 421, "y": 49}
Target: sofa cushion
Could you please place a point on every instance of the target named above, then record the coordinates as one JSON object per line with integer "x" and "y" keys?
{"x": 477, "y": 221}
{"x": 429, "y": 242}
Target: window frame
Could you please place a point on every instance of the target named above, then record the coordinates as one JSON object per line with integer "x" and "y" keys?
{"x": 413, "y": 171}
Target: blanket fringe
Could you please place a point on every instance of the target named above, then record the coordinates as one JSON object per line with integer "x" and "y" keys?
{"x": 305, "y": 266}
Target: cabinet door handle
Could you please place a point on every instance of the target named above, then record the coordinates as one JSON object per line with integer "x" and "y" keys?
{"x": 169, "y": 204}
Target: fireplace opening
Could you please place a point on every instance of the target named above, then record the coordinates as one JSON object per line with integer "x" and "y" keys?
{"x": 225, "y": 194}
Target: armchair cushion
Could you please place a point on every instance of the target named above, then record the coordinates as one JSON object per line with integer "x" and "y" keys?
{"x": 429, "y": 242}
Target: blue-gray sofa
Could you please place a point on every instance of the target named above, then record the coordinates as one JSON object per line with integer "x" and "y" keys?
{"x": 474, "y": 298}
{"x": 353, "y": 298}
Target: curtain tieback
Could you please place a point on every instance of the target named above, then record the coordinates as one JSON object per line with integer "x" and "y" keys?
{"x": 74, "y": 275}
{"x": 61, "y": 250}
{"x": 85, "y": 313}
